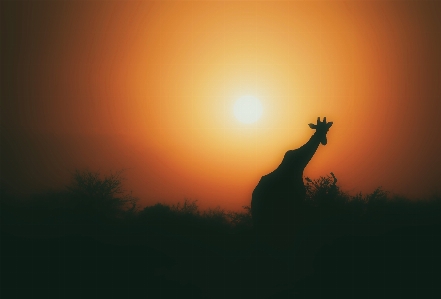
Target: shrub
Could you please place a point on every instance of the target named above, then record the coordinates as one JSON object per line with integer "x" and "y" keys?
{"x": 190, "y": 208}
{"x": 92, "y": 196}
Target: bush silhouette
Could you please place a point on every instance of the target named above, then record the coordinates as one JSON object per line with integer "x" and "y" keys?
{"x": 186, "y": 219}
{"x": 96, "y": 198}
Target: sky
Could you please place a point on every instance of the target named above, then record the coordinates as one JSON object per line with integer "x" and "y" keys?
{"x": 149, "y": 87}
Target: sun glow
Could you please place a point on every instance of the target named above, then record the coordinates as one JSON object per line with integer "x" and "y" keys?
{"x": 248, "y": 109}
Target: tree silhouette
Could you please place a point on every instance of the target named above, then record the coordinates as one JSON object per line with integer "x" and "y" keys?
{"x": 97, "y": 198}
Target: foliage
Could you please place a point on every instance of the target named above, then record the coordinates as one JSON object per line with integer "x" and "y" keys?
{"x": 241, "y": 219}
{"x": 92, "y": 198}
{"x": 188, "y": 207}
{"x": 188, "y": 212}
{"x": 97, "y": 197}
{"x": 323, "y": 188}
{"x": 160, "y": 235}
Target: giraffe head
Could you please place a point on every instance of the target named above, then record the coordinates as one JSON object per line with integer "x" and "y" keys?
{"x": 322, "y": 127}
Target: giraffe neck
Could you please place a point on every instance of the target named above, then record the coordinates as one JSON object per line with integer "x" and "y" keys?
{"x": 312, "y": 145}
{"x": 296, "y": 160}
{"x": 307, "y": 151}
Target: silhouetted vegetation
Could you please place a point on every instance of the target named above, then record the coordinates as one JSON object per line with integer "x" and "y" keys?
{"x": 95, "y": 237}
{"x": 99, "y": 199}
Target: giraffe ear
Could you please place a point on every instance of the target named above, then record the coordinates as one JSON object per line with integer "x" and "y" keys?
{"x": 312, "y": 126}
{"x": 330, "y": 124}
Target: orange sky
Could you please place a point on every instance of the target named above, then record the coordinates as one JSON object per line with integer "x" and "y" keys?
{"x": 149, "y": 86}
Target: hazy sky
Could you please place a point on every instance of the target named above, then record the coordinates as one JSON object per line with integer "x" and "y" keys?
{"x": 150, "y": 86}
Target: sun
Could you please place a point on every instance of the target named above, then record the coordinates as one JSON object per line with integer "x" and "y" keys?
{"x": 248, "y": 109}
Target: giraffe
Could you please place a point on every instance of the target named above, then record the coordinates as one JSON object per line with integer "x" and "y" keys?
{"x": 277, "y": 200}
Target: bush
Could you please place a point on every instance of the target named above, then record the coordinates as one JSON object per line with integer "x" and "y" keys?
{"x": 94, "y": 197}
{"x": 324, "y": 192}
{"x": 241, "y": 219}
{"x": 189, "y": 208}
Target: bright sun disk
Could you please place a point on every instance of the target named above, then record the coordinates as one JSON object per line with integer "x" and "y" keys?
{"x": 248, "y": 109}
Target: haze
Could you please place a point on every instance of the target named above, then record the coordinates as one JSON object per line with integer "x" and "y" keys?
{"x": 150, "y": 87}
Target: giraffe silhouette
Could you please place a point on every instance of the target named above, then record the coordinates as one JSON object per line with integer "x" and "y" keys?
{"x": 277, "y": 203}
